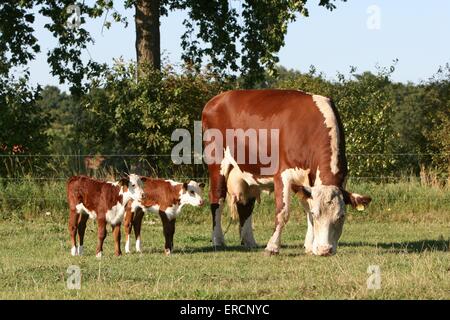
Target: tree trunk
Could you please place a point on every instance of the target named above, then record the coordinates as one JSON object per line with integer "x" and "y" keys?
{"x": 147, "y": 33}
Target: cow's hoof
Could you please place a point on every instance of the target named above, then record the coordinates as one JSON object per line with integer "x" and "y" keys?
{"x": 99, "y": 255}
{"x": 167, "y": 252}
{"x": 74, "y": 251}
{"x": 309, "y": 251}
{"x": 118, "y": 254}
{"x": 270, "y": 253}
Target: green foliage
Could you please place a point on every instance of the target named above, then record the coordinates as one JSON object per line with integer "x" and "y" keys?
{"x": 64, "y": 111}
{"x": 123, "y": 116}
{"x": 17, "y": 42}
{"x": 23, "y": 124}
{"x": 437, "y": 102}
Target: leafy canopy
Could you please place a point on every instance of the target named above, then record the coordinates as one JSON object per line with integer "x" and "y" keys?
{"x": 218, "y": 32}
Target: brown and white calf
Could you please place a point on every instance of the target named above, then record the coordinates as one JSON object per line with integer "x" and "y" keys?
{"x": 103, "y": 201}
{"x": 166, "y": 198}
{"x": 310, "y": 161}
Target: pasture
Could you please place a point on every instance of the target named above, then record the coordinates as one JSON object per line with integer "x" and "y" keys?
{"x": 405, "y": 231}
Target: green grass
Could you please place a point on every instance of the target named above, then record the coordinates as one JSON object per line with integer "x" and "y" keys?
{"x": 409, "y": 242}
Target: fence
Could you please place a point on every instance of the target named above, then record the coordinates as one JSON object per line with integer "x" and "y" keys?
{"x": 51, "y": 167}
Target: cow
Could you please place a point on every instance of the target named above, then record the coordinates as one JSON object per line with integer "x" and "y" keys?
{"x": 310, "y": 161}
{"x": 166, "y": 198}
{"x": 103, "y": 201}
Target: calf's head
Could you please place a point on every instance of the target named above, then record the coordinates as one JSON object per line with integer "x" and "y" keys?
{"x": 191, "y": 193}
{"x": 327, "y": 214}
{"x": 131, "y": 187}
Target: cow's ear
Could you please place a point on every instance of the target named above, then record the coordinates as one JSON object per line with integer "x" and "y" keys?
{"x": 201, "y": 185}
{"x": 185, "y": 186}
{"x": 357, "y": 201}
{"x": 124, "y": 182}
{"x": 303, "y": 191}
{"x": 143, "y": 179}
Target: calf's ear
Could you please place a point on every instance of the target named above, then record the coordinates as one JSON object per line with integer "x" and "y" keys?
{"x": 143, "y": 179}
{"x": 201, "y": 185}
{"x": 357, "y": 201}
{"x": 303, "y": 191}
{"x": 185, "y": 186}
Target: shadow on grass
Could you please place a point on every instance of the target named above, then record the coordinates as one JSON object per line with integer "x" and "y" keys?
{"x": 390, "y": 247}
{"x": 231, "y": 248}
{"x": 404, "y": 247}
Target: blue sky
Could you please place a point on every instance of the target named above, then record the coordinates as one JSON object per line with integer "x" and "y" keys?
{"x": 416, "y": 32}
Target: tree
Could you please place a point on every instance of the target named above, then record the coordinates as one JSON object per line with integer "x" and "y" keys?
{"x": 261, "y": 31}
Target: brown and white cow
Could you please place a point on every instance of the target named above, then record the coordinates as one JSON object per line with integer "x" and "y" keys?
{"x": 165, "y": 197}
{"x": 103, "y": 201}
{"x": 311, "y": 161}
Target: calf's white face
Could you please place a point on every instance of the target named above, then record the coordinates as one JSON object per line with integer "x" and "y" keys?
{"x": 132, "y": 188}
{"x": 327, "y": 208}
{"x": 192, "y": 193}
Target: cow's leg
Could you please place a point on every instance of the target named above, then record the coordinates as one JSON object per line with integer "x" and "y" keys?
{"x": 101, "y": 234}
{"x": 168, "y": 230}
{"x": 217, "y": 194}
{"x": 309, "y": 238}
{"x": 81, "y": 231}
{"x": 245, "y": 223}
{"x": 137, "y": 223}
{"x": 127, "y": 226}
{"x": 281, "y": 190}
{"x": 116, "y": 234}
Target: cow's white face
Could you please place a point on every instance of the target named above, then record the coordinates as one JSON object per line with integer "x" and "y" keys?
{"x": 192, "y": 193}
{"x": 327, "y": 208}
{"x": 132, "y": 188}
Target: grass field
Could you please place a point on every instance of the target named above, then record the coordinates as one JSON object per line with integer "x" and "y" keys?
{"x": 405, "y": 232}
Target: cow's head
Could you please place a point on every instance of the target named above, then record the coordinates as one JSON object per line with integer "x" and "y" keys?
{"x": 327, "y": 214}
{"x": 132, "y": 187}
{"x": 191, "y": 193}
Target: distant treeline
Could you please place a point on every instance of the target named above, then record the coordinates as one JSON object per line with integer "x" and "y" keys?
{"x": 391, "y": 128}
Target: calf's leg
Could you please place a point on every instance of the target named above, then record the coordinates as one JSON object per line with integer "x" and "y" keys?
{"x": 73, "y": 226}
{"x": 169, "y": 231}
{"x": 245, "y": 223}
{"x": 101, "y": 236}
{"x": 81, "y": 231}
{"x": 116, "y": 234}
{"x": 127, "y": 226}
{"x": 137, "y": 223}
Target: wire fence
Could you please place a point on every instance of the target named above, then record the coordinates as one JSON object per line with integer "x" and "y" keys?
{"x": 60, "y": 167}
{"x": 37, "y": 181}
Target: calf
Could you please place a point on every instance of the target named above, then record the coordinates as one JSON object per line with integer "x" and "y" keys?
{"x": 242, "y": 191}
{"x": 103, "y": 201}
{"x": 166, "y": 198}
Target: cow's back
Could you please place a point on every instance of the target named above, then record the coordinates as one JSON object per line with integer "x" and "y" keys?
{"x": 304, "y": 138}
